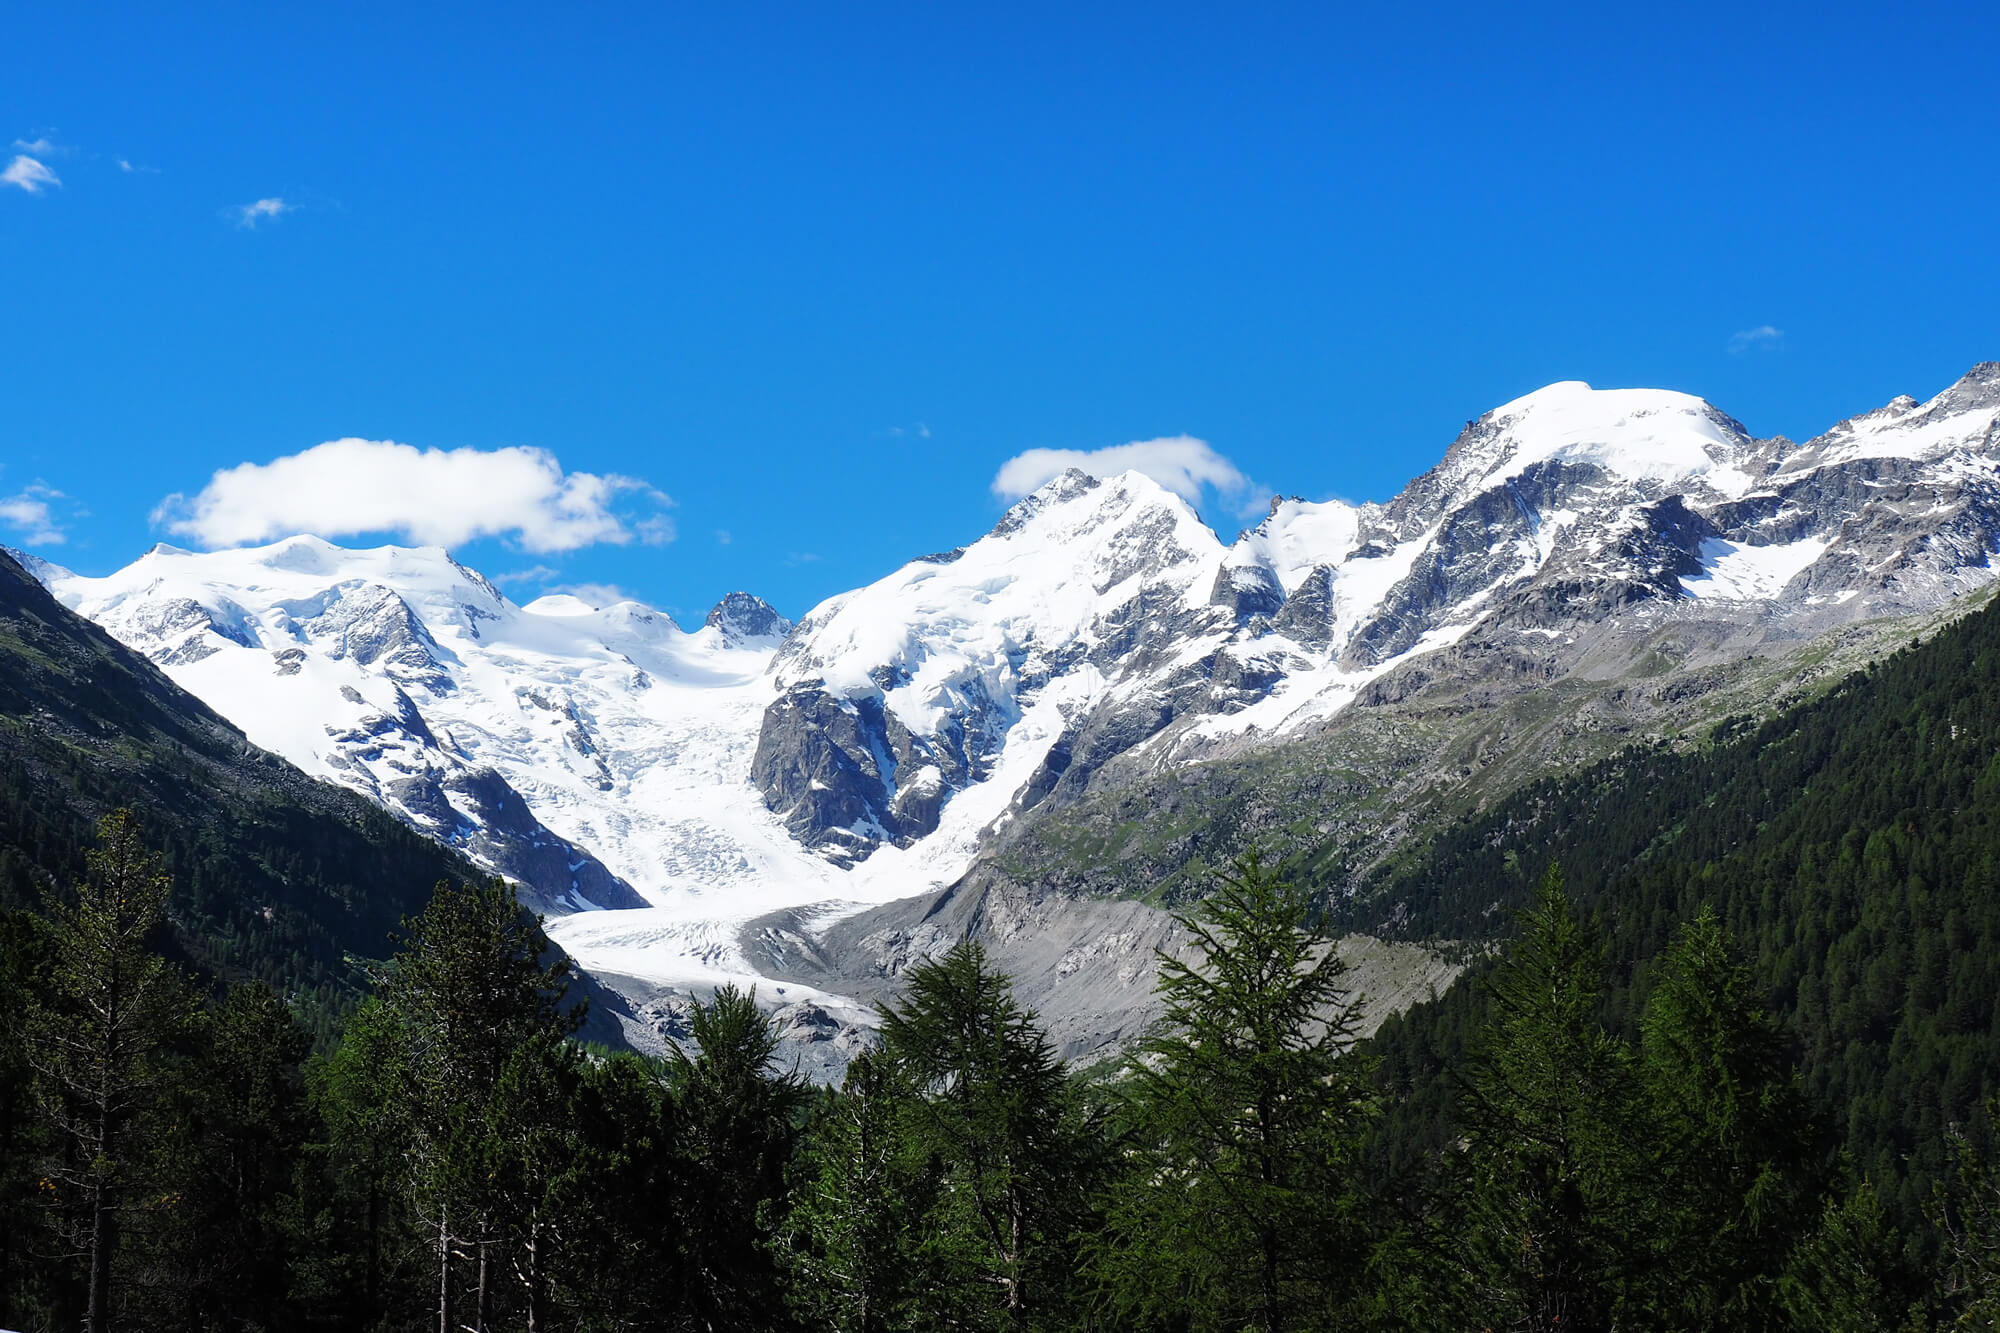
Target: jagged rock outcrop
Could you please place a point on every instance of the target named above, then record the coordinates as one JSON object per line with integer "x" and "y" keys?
{"x": 1100, "y": 689}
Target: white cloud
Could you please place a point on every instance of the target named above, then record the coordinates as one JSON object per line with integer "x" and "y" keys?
{"x": 532, "y": 574}
{"x": 1762, "y": 337}
{"x": 249, "y": 215}
{"x": 125, "y": 165}
{"x": 41, "y": 146}
{"x": 432, "y": 497}
{"x": 1181, "y": 463}
{"x": 28, "y": 514}
{"x": 26, "y": 173}
{"x": 599, "y": 595}
{"x": 723, "y": 537}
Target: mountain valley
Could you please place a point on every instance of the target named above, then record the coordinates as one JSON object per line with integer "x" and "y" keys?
{"x": 1045, "y": 738}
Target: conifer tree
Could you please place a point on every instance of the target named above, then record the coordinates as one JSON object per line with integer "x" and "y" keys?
{"x": 361, "y": 1094}
{"x": 243, "y": 1098}
{"x": 857, "y": 1204}
{"x": 631, "y": 1200}
{"x": 1240, "y": 1209}
{"x": 21, "y": 1127}
{"x": 1848, "y": 1274}
{"x": 1966, "y": 1209}
{"x": 468, "y": 990}
{"x": 1733, "y": 1180}
{"x": 1554, "y": 1143}
{"x": 537, "y": 1168}
{"x": 96, "y": 1042}
{"x": 992, "y": 1147}
{"x": 733, "y": 1116}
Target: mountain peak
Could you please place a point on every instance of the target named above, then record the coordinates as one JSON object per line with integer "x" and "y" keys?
{"x": 742, "y": 618}
{"x": 1059, "y": 489}
{"x": 1638, "y": 435}
{"x": 1979, "y": 387}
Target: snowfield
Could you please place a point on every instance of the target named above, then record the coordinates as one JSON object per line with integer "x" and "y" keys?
{"x": 1098, "y": 613}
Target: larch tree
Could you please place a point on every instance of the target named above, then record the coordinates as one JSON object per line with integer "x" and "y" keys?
{"x": 1554, "y": 1138}
{"x": 1239, "y": 1208}
{"x": 95, "y": 1044}
{"x": 468, "y": 989}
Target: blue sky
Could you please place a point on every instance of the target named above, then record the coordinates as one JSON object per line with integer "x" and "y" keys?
{"x": 777, "y": 292}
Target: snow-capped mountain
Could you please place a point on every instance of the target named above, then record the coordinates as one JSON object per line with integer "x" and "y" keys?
{"x": 611, "y": 759}
{"x": 1103, "y": 620}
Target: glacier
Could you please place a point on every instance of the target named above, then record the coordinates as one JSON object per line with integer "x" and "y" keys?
{"x": 656, "y": 789}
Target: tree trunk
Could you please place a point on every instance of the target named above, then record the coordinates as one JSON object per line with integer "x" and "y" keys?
{"x": 373, "y": 1284}
{"x": 1017, "y": 1315}
{"x": 479, "y": 1309}
{"x": 97, "y": 1313}
{"x": 534, "y": 1277}
{"x": 1267, "y": 1173}
{"x": 444, "y": 1273}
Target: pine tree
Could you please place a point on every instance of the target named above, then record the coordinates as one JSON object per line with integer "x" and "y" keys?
{"x": 242, "y": 1097}
{"x": 1966, "y": 1209}
{"x": 21, "y": 1127}
{"x": 631, "y": 1200}
{"x": 537, "y": 1167}
{"x": 1553, "y": 1144}
{"x": 857, "y": 1202}
{"x": 1734, "y": 1179}
{"x": 1240, "y": 1208}
{"x": 468, "y": 989}
{"x": 992, "y": 1146}
{"x": 733, "y": 1115}
{"x": 1849, "y": 1273}
{"x": 96, "y": 1042}
{"x": 361, "y": 1094}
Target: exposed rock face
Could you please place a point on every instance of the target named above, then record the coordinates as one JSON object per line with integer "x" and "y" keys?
{"x": 1099, "y": 695}
{"x": 885, "y": 715}
{"x": 1098, "y": 621}
{"x": 743, "y": 619}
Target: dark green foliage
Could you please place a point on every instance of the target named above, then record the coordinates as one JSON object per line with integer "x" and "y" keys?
{"x": 1966, "y": 1208}
{"x": 1848, "y": 1274}
{"x": 627, "y": 1213}
{"x": 1851, "y": 845}
{"x": 946, "y": 1184}
{"x": 1553, "y": 1136}
{"x": 1734, "y": 1162}
{"x": 275, "y": 876}
{"x": 1239, "y": 1205}
{"x": 372, "y": 1263}
{"x": 244, "y": 1196}
{"x": 23, "y": 1131}
{"x": 852, "y": 1246}
{"x": 733, "y": 1119}
{"x": 481, "y": 1022}
{"x": 98, "y": 1044}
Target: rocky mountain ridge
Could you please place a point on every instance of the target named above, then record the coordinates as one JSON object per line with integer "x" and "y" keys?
{"x": 1581, "y": 563}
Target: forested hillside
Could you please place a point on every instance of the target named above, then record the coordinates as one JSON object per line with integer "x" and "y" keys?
{"x": 275, "y": 876}
{"x": 1852, "y": 845}
{"x": 174, "y": 1160}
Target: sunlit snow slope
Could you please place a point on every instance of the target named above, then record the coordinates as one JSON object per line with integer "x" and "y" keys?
{"x": 610, "y": 759}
